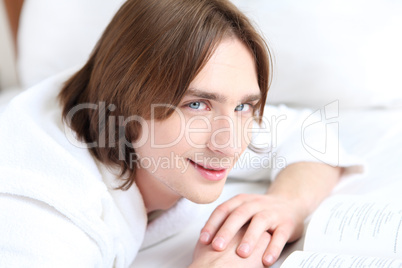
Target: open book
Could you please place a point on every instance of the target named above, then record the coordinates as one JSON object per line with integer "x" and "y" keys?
{"x": 352, "y": 231}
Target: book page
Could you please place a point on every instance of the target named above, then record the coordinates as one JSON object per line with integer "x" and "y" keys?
{"x": 356, "y": 225}
{"x": 308, "y": 259}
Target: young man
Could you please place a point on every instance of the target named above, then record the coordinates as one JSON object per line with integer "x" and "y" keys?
{"x": 173, "y": 81}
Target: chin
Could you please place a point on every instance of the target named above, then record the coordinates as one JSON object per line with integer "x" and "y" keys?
{"x": 199, "y": 198}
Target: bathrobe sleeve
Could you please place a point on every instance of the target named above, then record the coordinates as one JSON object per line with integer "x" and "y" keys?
{"x": 289, "y": 135}
{"x": 48, "y": 239}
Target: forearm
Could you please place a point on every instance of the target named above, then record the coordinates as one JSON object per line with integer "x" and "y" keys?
{"x": 305, "y": 183}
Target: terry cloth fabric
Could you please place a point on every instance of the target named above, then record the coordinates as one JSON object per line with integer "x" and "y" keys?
{"x": 288, "y": 136}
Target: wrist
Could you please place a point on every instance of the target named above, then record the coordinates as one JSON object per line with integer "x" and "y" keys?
{"x": 299, "y": 206}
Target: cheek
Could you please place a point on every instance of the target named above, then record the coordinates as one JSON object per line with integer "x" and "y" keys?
{"x": 197, "y": 131}
{"x": 248, "y": 136}
{"x": 244, "y": 130}
{"x": 167, "y": 133}
{"x": 166, "y": 146}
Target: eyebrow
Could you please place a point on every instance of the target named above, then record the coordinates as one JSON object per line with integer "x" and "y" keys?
{"x": 219, "y": 97}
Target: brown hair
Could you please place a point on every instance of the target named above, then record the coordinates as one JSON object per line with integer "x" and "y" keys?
{"x": 149, "y": 54}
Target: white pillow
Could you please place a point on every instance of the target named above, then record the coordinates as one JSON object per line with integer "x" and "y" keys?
{"x": 55, "y": 35}
{"x": 346, "y": 50}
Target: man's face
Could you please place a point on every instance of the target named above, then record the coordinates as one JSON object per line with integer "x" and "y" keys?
{"x": 191, "y": 153}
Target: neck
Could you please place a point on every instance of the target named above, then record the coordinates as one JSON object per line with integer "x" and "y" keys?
{"x": 156, "y": 195}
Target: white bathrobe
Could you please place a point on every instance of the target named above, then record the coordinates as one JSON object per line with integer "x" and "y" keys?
{"x": 57, "y": 204}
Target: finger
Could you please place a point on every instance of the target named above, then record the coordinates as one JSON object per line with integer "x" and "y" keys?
{"x": 275, "y": 247}
{"x": 262, "y": 244}
{"x": 217, "y": 218}
{"x": 236, "y": 220}
{"x": 259, "y": 224}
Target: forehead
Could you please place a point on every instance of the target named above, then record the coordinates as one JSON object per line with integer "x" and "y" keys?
{"x": 229, "y": 74}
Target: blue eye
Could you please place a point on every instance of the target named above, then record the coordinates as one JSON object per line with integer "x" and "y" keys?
{"x": 194, "y": 105}
{"x": 197, "y": 105}
{"x": 243, "y": 107}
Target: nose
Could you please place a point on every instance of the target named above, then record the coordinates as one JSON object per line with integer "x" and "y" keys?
{"x": 226, "y": 136}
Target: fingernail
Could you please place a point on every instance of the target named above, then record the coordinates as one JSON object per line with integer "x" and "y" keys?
{"x": 269, "y": 259}
{"x": 244, "y": 248}
{"x": 204, "y": 237}
{"x": 219, "y": 242}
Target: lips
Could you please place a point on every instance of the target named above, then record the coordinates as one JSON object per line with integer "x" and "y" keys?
{"x": 209, "y": 172}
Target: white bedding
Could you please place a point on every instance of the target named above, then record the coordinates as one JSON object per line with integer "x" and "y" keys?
{"x": 374, "y": 135}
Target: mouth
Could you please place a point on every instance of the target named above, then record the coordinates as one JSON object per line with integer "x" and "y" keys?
{"x": 209, "y": 173}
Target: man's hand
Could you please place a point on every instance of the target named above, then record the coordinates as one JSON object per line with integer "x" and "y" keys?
{"x": 206, "y": 257}
{"x": 280, "y": 217}
{"x": 295, "y": 193}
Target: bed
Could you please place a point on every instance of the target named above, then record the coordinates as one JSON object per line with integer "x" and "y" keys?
{"x": 338, "y": 51}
